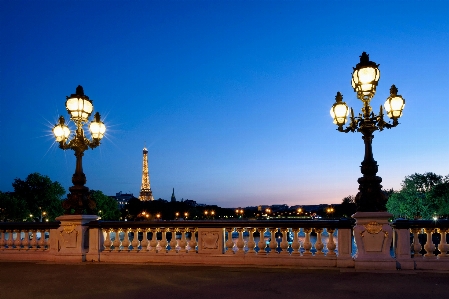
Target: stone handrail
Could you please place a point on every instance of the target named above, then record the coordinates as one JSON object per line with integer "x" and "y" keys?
{"x": 238, "y": 242}
{"x": 27, "y": 240}
{"x": 417, "y": 244}
{"x": 422, "y": 244}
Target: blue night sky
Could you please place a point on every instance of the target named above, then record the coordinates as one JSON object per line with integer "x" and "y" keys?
{"x": 231, "y": 98}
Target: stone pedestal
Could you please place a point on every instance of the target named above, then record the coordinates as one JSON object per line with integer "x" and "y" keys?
{"x": 373, "y": 236}
{"x": 73, "y": 237}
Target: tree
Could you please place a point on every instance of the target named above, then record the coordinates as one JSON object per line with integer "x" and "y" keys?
{"x": 346, "y": 208}
{"x": 12, "y": 208}
{"x": 41, "y": 195}
{"x": 422, "y": 196}
{"x": 440, "y": 198}
{"x": 106, "y": 207}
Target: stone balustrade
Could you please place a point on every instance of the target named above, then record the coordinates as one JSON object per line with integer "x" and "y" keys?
{"x": 415, "y": 244}
{"x": 26, "y": 240}
{"x": 422, "y": 244}
{"x": 320, "y": 243}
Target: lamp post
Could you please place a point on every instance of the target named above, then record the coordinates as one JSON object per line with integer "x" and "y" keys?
{"x": 364, "y": 82}
{"x": 80, "y": 107}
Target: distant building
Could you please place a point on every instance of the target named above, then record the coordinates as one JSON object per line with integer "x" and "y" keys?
{"x": 191, "y": 203}
{"x": 314, "y": 208}
{"x": 279, "y": 208}
{"x": 122, "y": 199}
{"x": 262, "y": 208}
{"x": 173, "y": 197}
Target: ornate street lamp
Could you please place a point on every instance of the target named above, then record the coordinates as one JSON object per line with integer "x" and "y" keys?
{"x": 365, "y": 76}
{"x": 80, "y": 107}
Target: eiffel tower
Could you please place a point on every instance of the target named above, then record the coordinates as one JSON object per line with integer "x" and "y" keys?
{"x": 145, "y": 190}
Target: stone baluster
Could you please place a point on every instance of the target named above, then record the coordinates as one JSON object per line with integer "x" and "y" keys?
{"x": 307, "y": 244}
{"x": 153, "y": 242}
{"x": 240, "y": 242}
{"x": 429, "y": 246}
{"x": 319, "y": 242}
{"x": 125, "y": 242}
{"x": 41, "y": 242}
{"x": 144, "y": 242}
{"x": 273, "y": 242}
{"x": 33, "y": 243}
{"x": 25, "y": 242}
{"x": 183, "y": 242}
{"x": 443, "y": 247}
{"x": 284, "y": 243}
{"x": 295, "y": 243}
{"x": 416, "y": 246}
{"x": 192, "y": 242}
{"x": 251, "y": 244}
{"x": 107, "y": 242}
{"x": 10, "y": 241}
{"x": 117, "y": 242}
{"x": 2, "y": 240}
{"x": 18, "y": 240}
{"x": 163, "y": 243}
{"x": 229, "y": 243}
{"x": 47, "y": 241}
{"x": 173, "y": 241}
{"x": 262, "y": 244}
{"x": 331, "y": 246}
{"x": 135, "y": 241}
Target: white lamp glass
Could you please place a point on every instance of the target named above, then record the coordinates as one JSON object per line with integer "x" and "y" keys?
{"x": 79, "y": 108}
{"x": 97, "y": 129}
{"x": 394, "y": 106}
{"x": 61, "y": 132}
{"x": 339, "y": 113}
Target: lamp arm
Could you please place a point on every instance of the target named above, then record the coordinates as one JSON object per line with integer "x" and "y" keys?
{"x": 65, "y": 145}
{"x": 353, "y": 125}
{"x": 93, "y": 143}
{"x": 381, "y": 123}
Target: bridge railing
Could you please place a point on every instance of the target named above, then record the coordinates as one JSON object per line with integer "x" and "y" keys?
{"x": 238, "y": 241}
{"x": 26, "y": 240}
{"x": 422, "y": 244}
{"x": 417, "y": 244}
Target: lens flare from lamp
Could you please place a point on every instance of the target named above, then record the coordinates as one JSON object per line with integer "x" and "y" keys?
{"x": 61, "y": 131}
{"x": 97, "y": 127}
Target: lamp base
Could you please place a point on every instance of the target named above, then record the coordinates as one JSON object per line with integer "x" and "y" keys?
{"x": 78, "y": 201}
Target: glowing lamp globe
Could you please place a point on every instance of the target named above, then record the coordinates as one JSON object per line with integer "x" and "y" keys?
{"x": 339, "y": 110}
{"x": 97, "y": 127}
{"x": 394, "y": 104}
{"x": 365, "y": 77}
{"x": 61, "y": 131}
{"x": 79, "y": 106}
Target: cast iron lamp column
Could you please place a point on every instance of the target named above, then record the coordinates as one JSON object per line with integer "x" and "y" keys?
{"x": 364, "y": 81}
{"x": 80, "y": 107}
